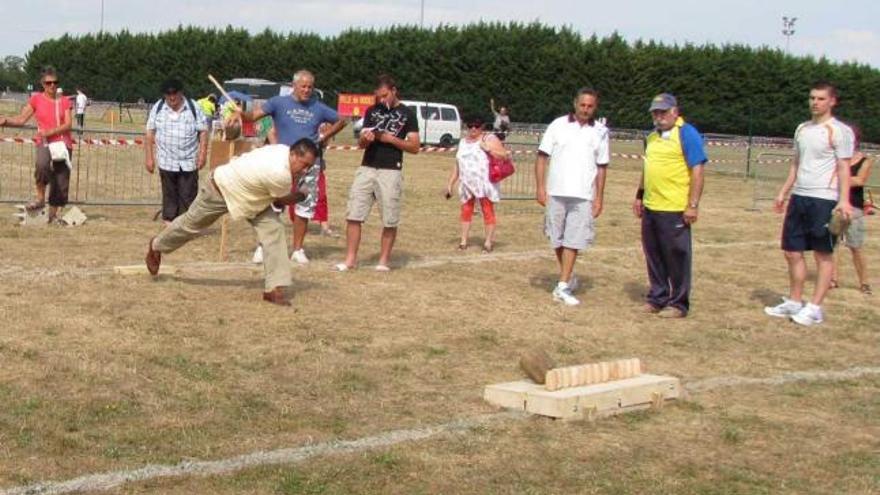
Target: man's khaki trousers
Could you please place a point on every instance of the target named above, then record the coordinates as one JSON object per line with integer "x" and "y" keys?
{"x": 206, "y": 209}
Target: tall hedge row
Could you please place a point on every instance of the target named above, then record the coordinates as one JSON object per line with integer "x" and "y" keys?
{"x": 532, "y": 68}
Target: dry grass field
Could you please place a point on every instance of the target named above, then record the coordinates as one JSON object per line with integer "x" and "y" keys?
{"x": 102, "y": 372}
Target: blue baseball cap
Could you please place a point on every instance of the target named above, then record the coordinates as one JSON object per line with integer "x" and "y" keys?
{"x": 663, "y": 101}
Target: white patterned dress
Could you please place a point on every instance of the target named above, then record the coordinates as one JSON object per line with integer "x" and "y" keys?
{"x": 473, "y": 173}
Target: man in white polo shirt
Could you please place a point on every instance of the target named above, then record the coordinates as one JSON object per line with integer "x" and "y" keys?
{"x": 576, "y": 147}
{"x": 819, "y": 175}
{"x": 247, "y": 187}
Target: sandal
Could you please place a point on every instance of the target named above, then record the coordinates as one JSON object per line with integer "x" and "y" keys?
{"x": 35, "y": 205}
{"x": 342, "y": 267}
{"x": 487, "y": 248}
{"x": 866, "y": 289}
{"x": 834, "y": 284}
{"x": 462, "y": 247}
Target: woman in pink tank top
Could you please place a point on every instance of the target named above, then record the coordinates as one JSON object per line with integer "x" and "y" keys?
{"x": 53, "y": 114}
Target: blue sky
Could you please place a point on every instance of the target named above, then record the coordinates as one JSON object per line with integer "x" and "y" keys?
{"x": 844, "y": 30}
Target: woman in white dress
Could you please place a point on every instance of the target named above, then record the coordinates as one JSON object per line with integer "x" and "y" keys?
{"x": 472, "y": 172}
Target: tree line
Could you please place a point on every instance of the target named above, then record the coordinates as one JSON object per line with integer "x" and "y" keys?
{"x": 532, "y": 68}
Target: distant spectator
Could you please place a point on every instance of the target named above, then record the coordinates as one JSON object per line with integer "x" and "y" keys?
{"x": 177, "y": 138}
{"x": 54, "y": 121}
{"x": 502, "y": 119}
{"x": 208, "y": 105}
{"x": 82, "y": 101}
{"x": 854, "y": 237}
{"x": 471, "y": 170}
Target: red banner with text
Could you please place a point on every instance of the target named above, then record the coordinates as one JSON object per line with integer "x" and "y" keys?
{"x": 354, "y": 105}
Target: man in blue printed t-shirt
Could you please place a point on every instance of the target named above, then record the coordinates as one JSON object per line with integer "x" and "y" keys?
{"x": 295, "y": 117}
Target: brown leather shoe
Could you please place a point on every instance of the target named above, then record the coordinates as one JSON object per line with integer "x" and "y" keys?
{"x": 650, "y": 309}
{"x": 670, "y": 312}
{"x": 153, "y": 259}
{"x": 276, "y": 296}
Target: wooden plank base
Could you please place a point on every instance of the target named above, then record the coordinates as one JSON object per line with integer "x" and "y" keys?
{"x": 74, "y": 217}
{"x": 35, "y": 218}
{"x": 142, "y": 270}
{"x": 586, "y": 402}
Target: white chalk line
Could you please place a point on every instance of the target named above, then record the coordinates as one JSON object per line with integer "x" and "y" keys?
{"x": 781, "y": 379}
{"x": 112, "y": 479}
{"x": 10, "y": 270}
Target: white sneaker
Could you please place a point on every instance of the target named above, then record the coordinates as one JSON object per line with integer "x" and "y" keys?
{"x": 810, "y": 314}
{"x": 574, "y": 283}
{"x": 258, "y": 256}
{"x": 299, "y": 256}
{"x": 562, "y": 293}
{"x": 784, "y": 310}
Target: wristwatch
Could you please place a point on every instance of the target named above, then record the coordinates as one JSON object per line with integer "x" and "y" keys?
{"x": 694, "y": 205}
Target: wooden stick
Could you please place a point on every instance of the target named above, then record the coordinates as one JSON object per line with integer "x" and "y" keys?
{"x": 223, "y": 91}
{"x": 224, "y": 229}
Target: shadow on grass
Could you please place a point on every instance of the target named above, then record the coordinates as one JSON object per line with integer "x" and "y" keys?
{"x": 547, "y": 281}
{"x": 475, "y": 243}
{"x": 399, "y": 259}
{"x": 765, "y": 296}
{"x": 298, "y": 286}
{"x": 219, "y": 282}
{"x": 325, "y": 253}
{"x": 635, "y": 291}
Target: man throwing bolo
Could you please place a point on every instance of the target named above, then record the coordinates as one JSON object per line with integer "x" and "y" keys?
{"x": 247, "y": 187}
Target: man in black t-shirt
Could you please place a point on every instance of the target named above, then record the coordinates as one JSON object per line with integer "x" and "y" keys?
{"x": 390, "y": 128}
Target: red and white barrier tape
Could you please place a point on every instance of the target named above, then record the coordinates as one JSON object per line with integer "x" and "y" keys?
{"x": 88, "y": 141}
{"x": 625, "y": 156}
{"x": 426, "y": 149}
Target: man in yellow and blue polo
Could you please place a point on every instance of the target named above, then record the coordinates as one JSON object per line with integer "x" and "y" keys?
{"x": 668, "y": 201}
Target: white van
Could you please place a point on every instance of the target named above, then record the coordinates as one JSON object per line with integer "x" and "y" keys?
{"x": 439, "y": 123}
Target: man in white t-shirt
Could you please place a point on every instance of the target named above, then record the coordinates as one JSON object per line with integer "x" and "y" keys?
{"x": 819, "y": 182}
{"x": 246, "y": 188}
{"x": 576, "y": 147}
{"x": 82, "y": 101}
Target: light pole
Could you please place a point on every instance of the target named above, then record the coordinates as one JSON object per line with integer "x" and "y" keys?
{"x": 788, "y": 30}
{"x": 422, "y": 17}
{"x": 102, "y": 17}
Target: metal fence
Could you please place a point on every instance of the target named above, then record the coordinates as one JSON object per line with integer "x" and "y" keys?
{"x": 108, "y": 168}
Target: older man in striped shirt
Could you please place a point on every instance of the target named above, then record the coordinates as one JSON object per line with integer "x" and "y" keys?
{"x": 177, "y": 138}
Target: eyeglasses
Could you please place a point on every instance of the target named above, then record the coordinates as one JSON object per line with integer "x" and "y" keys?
{"x": 474, "y": 126}
{"x": 51, "y": 83}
